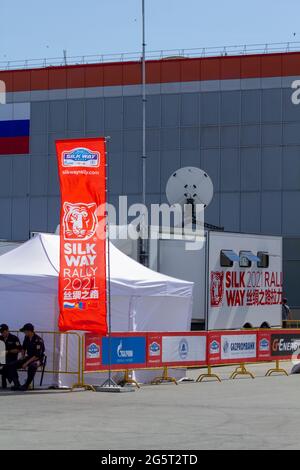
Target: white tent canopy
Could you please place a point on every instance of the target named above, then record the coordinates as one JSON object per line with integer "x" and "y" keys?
{"x": 141, "y": 299}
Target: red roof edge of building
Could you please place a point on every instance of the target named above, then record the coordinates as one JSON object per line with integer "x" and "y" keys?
{"x": 165, "y": 70}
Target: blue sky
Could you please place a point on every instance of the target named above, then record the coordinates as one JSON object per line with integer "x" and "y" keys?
{"x": 37, "y": 29}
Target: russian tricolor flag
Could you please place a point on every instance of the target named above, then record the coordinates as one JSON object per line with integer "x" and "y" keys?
{"x": 14, "y": 128}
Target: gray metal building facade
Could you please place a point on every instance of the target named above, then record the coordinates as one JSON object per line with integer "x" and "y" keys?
{"x": 240, "y": 126}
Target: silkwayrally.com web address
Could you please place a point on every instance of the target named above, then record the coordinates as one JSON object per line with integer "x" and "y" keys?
{"x": 80, "y": 172}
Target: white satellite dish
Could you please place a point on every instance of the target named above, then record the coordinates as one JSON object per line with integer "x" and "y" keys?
{"x": 189, "y": 185}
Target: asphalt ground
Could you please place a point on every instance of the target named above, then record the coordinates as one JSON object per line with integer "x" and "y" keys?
{"x": 245, "y": 413}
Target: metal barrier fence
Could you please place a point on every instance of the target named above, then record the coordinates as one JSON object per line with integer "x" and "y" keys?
{"x": 2, "y": 353}
{"x": 164, "y": 350}
{"x": 72, "y": 354}
{"x": 291, "y": 323}
{"x": 64, "y": 353}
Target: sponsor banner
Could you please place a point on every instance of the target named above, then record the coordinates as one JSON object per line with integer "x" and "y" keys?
{"x": 214, "y": 346}
{"x": 93, "y": 348}
{"x": 183, "y": 349}
{"x": 82, "y": 277}
{"x": 125, "y": 351}
{"x": 154, "y": 350}
{"x": 231, "y": 348}
{"x": 263, "y": 345}
{"x": 285, "y": 345}
{"x": 245, "y": 288}
{"x": 121, "y": 350}
{"x": 145, "y": 350}
{"x": 238, "y": 346}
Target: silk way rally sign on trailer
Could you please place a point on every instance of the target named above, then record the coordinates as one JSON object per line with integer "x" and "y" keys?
{"x": 82, "y": 277}
{"x": 245, "y": 292}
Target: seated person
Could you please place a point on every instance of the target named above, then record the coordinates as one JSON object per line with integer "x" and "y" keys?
{"x": 12, "y": 347}
{"x": 33, "y": 350}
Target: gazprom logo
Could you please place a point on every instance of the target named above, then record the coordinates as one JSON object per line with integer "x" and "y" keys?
{"x": 81, "y": 157}
{"x": 93, "y": 351}
{"x": 124, "y": 353}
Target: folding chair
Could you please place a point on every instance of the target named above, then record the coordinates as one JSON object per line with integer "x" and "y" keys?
{"x": 42, "y": 367}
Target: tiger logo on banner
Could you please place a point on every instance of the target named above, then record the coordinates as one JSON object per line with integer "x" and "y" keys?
{"x": 216, "y": 288}
{"x": 79, "y": 220}
{"x": 82, "y": 276}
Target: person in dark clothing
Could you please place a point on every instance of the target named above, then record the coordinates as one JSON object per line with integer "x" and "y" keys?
{"x": 286, "y": 313}
{"x": 33, "y": 349}
{"x": 12, "y": 348}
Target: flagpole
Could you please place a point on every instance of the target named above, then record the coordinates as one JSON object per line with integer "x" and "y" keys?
{"x": 110, "y": 382}
{"x": 144, "y": 229}
{"x": 144, "y": 100}
{"x": 109, "y": 385}
{"x": 108, "y": 303}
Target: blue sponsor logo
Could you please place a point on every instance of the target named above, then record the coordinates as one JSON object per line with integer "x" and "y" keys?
{"x": 264, "y": 345}
{"x": 214, "y": 347}
{"x": 154, "y": 349}
{"x": 243, "y": 346}
{"x": 124, "y": 350}
{"x": 225, "y": 346}
{"x": 81, "y": 157}
{"x": 183, "y": 349}
{"x": 93, "y": 351}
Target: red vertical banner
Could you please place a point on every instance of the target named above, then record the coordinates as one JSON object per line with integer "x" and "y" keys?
{"x": 82, "y": 276}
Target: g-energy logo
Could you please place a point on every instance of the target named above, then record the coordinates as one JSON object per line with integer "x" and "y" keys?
{"x": 285, "y": 344}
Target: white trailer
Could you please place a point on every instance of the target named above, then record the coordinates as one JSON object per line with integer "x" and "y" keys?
{"x": 245, "y": 281}
{"x": 237, "y": 277}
